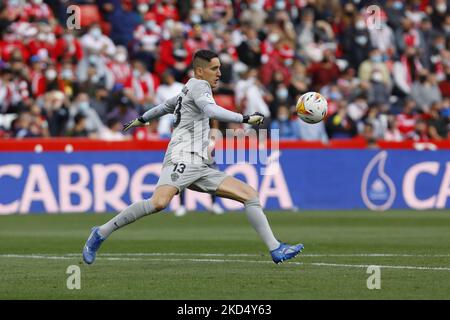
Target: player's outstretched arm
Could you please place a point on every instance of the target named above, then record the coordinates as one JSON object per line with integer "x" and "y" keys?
{"x": 216, "y": 112}
{"x": 153, "y": 113}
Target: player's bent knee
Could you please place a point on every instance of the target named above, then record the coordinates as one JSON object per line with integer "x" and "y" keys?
{"x": 252, "y": 202}
{"x": 250, "y": 194}
{"x": 160, "y": 203}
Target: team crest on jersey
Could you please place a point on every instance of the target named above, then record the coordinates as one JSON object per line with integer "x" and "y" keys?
{"x": 174, "y": 176}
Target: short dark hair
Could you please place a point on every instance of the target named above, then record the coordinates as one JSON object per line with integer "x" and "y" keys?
{"x": 202, "y": 56}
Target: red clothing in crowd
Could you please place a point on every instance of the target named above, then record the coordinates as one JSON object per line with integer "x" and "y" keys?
{"x": 166, "y": 56}
{"x": 68, "y": 47}
{"x": 7, "y": 46}
{"x": 143, "y": 86}
{"x": 406, "y": 123}
{"x": 36, "y": 11}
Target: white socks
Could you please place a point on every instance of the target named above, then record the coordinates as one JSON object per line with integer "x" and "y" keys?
{"x": 137, "y": 210}
{"x": 128, "y": 215}
{"x": 259, "y": 222}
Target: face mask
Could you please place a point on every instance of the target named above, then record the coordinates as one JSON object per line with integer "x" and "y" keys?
{"x": 121, "y": 57}
{"x": 361, "y": 40}
{"x": 255, "y": 6}
{"x": 360, "y": 25}
{"x": 439, "y": 46}
{"x": 273, "y": 37}
{"x": 42, "y": 37}
{"x": 280, "y": 5}
{"x": 377, "y": 58}
{"x": 83, "y": 106}
{"x": 397, "y": 5}
{"x": 288, "y": 62}
{"x": 198, "y": 5}
{"x": 282, "y": 94}
{"x": 335, "y": 96}
{"x": 50, "y": 74}
{"x": 143, "y": 8}
{"x": 447, "y": 29}
{"x": 150, "y": 25}
{"x": 196, "y": 19}
{"x": 96, "y": 32}
{"x": 68, "y": 37}
{"x": 37, "y": 1}
{"x": 136, "y": 73}
{"x": 51, "y": 37}
{"x": 423, "y": 78}
{"x": 66, "y": 74}
{"x": 283, "y": 117}
{"x": 441, "y": 8}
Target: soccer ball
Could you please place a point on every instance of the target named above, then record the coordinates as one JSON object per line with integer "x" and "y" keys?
{"x": 312, "y": 107}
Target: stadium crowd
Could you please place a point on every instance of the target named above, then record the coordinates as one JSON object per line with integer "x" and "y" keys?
{"x": 385, "y": 74}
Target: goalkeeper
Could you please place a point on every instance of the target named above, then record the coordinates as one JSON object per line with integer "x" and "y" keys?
{"x": 185, "y": 161}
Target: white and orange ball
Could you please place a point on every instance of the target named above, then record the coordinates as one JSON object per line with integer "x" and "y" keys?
{"x": 312, "y": 107}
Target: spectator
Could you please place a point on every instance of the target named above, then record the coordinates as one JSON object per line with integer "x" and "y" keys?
{"x": 378, "y": 91}
{"x": 444, "y": 85}
{"x": 340, "y": 125}
{"x": 124, "y": 111}
{"x": 425, "y": 90}
{"x": 374, "y": 63}
{"x": 68, "y": 47}
{"x": 119, "y": 66}
{"x": 123, "y": 22}
{"x": 357, "y": 42}
{"x": 112, "y": 131}
{"x": 92, "y": 122}
{"x": 287, "y": 128}
{"x": 420, "y": 132}
{"x": 95, "y": 42}
{"x": 407, "y": 119}
{"x": 56, "y": 112}
{"x": 357, "y": 108}
{"x": 312, "y": 132}
{"x": 168, "y": 89}
{"x": 324, "y": 72}
{"x": 79, "y": 129}
{"x": 405, "y": 72}
{"x": 392, "y": 132}
{"x": 174, "y": 52}
{"x": 141, "y": 85}
{"x": 249, "y": 51}
{"x": 250, "y": 95}
{"x": 437, "y": 123}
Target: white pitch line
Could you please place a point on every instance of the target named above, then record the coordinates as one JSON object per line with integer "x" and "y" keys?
{"x": 151, "y": 254}
{"x": 320, "y": 264}
{"x": 378, "y": 265}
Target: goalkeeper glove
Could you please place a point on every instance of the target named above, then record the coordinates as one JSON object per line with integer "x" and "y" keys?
{"x": 254, "y": 119}
{"x": 133, "y": 123}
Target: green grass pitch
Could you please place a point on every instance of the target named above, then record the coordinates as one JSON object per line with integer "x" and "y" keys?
{"x": 201, "y": 256}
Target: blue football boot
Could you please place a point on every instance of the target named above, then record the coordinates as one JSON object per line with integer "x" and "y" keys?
{"x": 92, "y": 244}
{"x": 285, "y": 251}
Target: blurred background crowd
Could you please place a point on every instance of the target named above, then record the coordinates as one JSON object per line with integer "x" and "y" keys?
{"x": 385, "y": 73}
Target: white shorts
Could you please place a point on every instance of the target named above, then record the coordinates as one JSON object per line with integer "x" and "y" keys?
{"x": 198, "y": 177}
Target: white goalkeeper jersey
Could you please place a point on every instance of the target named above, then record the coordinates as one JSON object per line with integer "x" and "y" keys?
{"x": 190, "y": 137}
